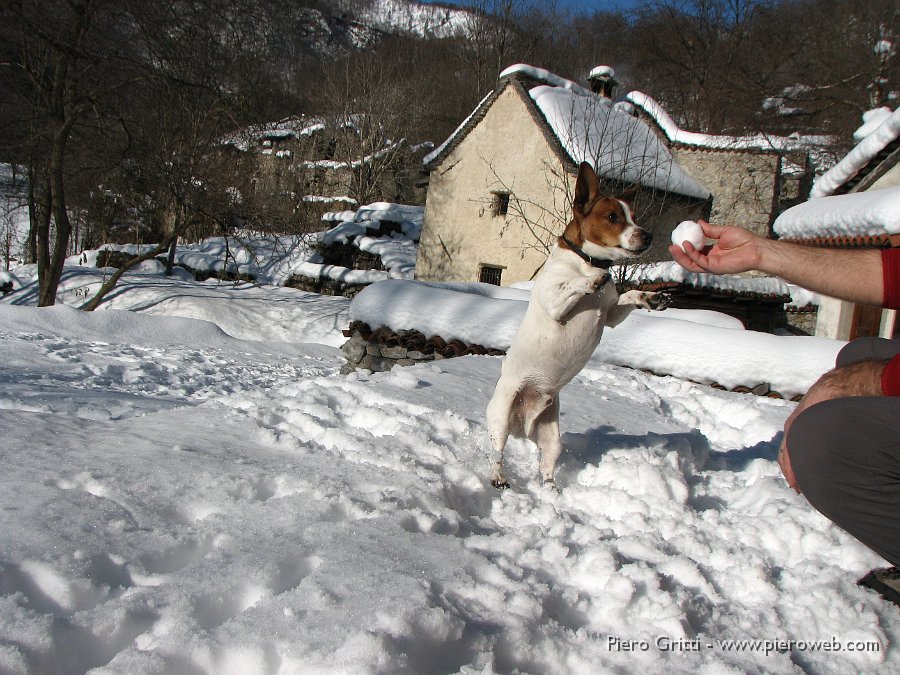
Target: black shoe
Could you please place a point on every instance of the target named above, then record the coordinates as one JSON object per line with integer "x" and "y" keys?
{"x": 885, "y": 581}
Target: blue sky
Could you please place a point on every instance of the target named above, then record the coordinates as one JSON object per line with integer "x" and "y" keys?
{"x": 595, "y": 5}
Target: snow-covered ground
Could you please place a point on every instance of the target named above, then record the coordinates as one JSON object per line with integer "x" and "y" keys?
{"x": 272, "y": 260}
{"x": 192, "y": 487}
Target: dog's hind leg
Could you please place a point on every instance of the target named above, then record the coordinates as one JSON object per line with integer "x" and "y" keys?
{"x": 499, "y": 418}
{"x": 546, "y": 435}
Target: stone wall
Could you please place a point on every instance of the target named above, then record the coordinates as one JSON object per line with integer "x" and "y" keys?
{"x": 802, "y": 321}
{"x": 350, "y": 256}
{"x": 382, "y": 349}
{"x": 340, "y": 254}
{"x": 294, "y": 169}
{"x": 745, "y": 185}
{"x": 324, "y": 286}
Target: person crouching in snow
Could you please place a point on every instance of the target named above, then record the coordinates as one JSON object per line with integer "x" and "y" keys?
{"x": 841, "y": 445}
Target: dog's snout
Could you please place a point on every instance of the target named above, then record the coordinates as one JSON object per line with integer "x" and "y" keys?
{"x": 640, "y": 240}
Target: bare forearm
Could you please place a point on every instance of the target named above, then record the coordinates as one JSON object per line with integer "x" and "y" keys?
{"x": 852, "y": 275}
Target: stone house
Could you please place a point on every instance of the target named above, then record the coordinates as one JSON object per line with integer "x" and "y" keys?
{"x": 499, "y": 190}
{"x": 854, "y": 205}
{"x": 500, "y": 187}
{"x": 752, "y": 178}
{"x": 311, "y": 165}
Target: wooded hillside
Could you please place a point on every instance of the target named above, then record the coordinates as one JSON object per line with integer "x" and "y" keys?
{"x": 116, "y": 109}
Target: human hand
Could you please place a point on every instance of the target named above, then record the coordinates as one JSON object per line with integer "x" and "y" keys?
{"x": 735, "y": 250}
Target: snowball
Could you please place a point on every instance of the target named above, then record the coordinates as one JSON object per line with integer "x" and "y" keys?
{"x": 691, "y": 231}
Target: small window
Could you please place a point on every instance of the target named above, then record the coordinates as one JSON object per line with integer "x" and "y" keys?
{"x": 490, "y": 275}
{"x": 501, "y": 203}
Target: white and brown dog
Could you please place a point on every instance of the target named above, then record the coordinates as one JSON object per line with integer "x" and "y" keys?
{"x": 573, "y": 299}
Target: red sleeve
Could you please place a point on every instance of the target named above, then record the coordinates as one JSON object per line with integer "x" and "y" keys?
{"x": 890, "y": 263}
{"x": 890, "y": 378}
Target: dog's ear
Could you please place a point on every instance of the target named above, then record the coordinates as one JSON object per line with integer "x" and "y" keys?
{"x": 629, "y": 194}
{"x": 587, "y": 189}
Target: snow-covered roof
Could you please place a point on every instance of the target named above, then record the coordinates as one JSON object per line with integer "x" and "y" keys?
{"x": 457, "y": 133}
{"x": 397, "y": 252}
{"x": 710, "y": 141}
{"x": 874, "y": 213}
{"x": 289, "y": 127}
{"x": 590, "y": 128}
{"x": 621, "y": 147}
{"x": 878, "y": 131}
{"x": 542, "y": 75}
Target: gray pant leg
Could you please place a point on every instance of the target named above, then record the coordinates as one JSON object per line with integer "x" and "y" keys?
{"x": 846, "y": 456}
{"x": 868, "y": 349}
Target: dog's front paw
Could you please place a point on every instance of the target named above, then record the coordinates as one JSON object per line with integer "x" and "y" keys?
{"x": 646, "y": 299}
{"x": 658, "y": 301}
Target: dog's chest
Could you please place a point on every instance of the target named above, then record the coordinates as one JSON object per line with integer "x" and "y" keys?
{"x": 577, "y": 334}
{"x": 559, "y": 350}
{"x": 584, "y": 325}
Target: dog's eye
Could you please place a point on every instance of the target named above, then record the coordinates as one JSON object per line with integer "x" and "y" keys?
{"x": 613, "y": 217}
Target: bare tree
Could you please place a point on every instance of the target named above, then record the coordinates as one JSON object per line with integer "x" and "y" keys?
{"x": 13, "y": 201}
{"x": 492, "y": 33}
{"x": 372, "y": 105}
{"x": 65, "y": 64}
{"x": 885, "y": 52}
{"x": 731, "y": 66}
{"x": 193, "y": 94}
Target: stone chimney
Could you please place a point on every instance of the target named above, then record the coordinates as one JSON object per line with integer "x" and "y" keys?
{"x": 603, "y": 81}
